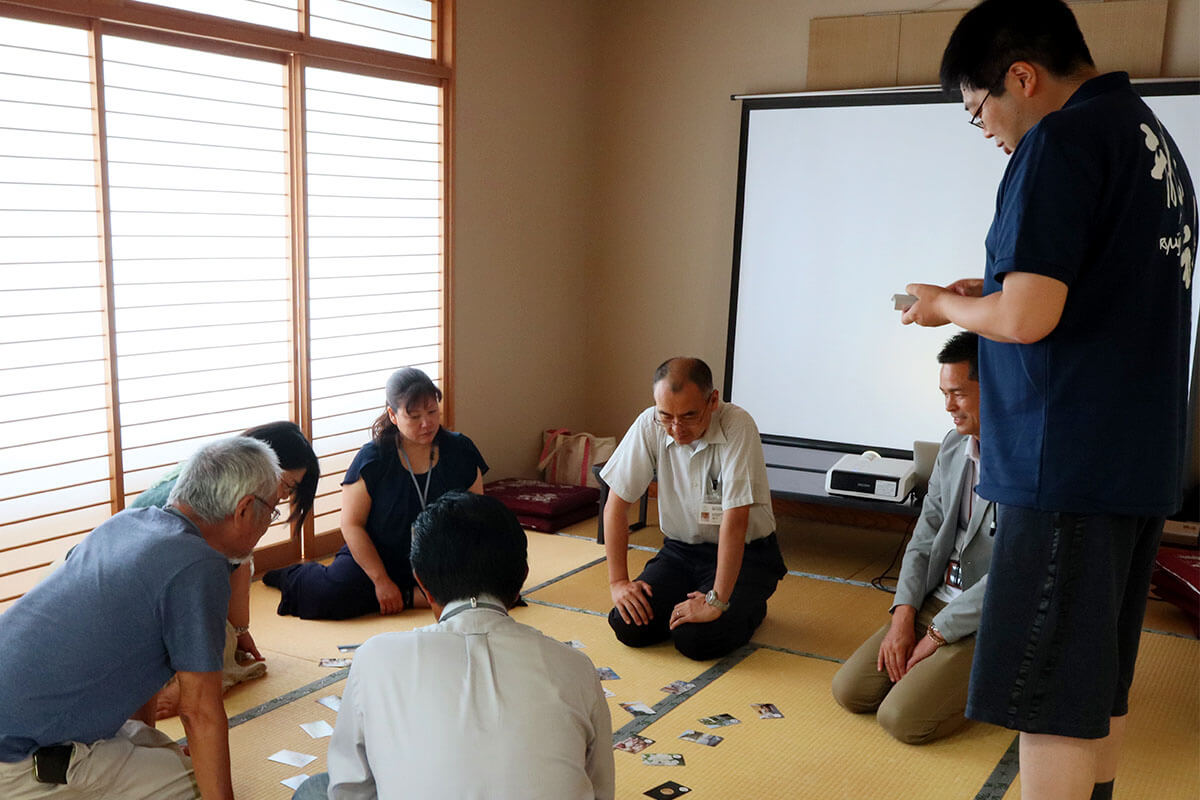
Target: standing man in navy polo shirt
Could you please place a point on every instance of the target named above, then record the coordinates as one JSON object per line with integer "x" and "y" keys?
{"x": 1085, "y": 313}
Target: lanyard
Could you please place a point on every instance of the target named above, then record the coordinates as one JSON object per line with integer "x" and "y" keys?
{"x": 421, "y": 495}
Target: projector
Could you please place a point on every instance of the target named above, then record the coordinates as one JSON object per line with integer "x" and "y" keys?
{"x": 872, "y": 476}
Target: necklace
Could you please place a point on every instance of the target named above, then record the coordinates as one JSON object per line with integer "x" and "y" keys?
{"x": 433, "y": 457}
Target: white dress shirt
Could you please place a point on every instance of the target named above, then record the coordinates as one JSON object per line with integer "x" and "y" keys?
{"x": 966, "y": 507}
{"x": 726, "y": 462}
{"x": 476, "y": 706}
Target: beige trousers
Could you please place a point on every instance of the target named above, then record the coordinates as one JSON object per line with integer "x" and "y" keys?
{"x": 927, "y": 703}
{"x": 139, "y": 763}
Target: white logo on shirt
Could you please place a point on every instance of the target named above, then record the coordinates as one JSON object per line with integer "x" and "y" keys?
{"x": 1165, "y": 169}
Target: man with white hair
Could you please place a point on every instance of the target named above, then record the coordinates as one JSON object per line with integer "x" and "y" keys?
{"x": 142, "y": 597}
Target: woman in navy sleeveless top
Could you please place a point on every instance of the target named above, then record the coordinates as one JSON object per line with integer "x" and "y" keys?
{"x": 410, "y": 461}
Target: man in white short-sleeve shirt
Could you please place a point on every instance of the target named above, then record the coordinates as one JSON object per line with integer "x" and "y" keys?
{"x": 707, "y": 588}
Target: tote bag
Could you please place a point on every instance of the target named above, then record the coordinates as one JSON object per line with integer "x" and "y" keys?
{"x": 568, "y": 458}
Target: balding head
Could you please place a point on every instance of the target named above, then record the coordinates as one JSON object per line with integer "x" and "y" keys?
{"x": 684, "y": 399}
{"x": 678, "y": 372}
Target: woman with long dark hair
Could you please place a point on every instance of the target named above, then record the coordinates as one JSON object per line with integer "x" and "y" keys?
{"x": 410, "y": 461}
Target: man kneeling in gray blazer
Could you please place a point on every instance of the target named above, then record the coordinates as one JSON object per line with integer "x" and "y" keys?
{"x": 914, "y": 671}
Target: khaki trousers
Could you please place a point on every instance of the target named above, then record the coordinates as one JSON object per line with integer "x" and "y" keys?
{"x": 927, "y": 703}
{"x": 139, "y": 763}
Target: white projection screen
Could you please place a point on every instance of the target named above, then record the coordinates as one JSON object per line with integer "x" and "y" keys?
{"x": 843, "y": 198}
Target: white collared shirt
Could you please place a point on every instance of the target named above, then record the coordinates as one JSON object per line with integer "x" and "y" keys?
{"x": 476, "y": 706}
{"x": 966, "y": 507}
{"x": 727, "y": 459}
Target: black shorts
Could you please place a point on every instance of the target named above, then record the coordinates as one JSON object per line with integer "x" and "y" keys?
{"x": 1062, "y": 619}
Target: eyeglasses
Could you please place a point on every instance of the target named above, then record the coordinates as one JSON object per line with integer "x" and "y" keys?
{"x": 270, "y": 507}
{"x": 976, "y": 118}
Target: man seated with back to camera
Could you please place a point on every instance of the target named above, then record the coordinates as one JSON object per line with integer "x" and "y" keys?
{"x": 478, "y": 705}
{"x": 142, "y": 597}
{"x": 707, "y": 588}
{"x": 914, "y": 671}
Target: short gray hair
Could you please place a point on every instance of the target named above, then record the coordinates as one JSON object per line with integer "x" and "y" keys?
{"x": 221, "y": 473}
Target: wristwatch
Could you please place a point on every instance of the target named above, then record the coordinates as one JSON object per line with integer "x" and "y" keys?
{"x": 716, "y": 602}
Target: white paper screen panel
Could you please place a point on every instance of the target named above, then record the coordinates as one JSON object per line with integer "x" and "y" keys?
{"x": 844, "y": 200}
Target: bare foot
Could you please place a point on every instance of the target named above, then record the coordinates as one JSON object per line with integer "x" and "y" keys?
{"x": 166, "y": 702}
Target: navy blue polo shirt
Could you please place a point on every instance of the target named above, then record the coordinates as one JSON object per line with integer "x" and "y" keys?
{"x": 1092, "y": 417}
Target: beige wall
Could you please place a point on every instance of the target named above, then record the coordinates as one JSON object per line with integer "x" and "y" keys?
{"x": 524, "y": 195}
{"x": 596, "y": 177}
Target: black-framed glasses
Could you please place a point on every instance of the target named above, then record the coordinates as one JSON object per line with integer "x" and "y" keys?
{"x": 977, "y": 118}
{"x": 270, "y": 507}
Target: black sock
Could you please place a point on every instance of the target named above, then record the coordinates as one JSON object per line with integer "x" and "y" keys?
{"x": 1102, "y": 791}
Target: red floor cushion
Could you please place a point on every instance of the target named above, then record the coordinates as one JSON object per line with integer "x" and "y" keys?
{"x": 545, "y": 506}
{"x": 1176, "y": 579}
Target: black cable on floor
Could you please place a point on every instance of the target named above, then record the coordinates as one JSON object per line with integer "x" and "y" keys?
{"x": 878, "y": 580}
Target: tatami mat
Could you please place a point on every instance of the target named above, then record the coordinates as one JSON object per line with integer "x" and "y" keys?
{"x": 799, "y": 614}
{"x": 1161, "y": 757}
{"x": 817, "y": 750}
{"x": 643, "y": 672}
{"x": 284, "y": 674}
{"x": 551, "y": 556}
{"x": 256, "y": 778}
{"x": 310, "y": 640}
{"x": 1164, "y": 617}
{"x": 838, "y": 551}
{"x": 588, "y": 589}
{"x": 824, "y": 618}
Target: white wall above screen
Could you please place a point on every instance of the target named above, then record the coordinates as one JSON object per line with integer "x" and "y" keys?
{"x": 842, "y": 206}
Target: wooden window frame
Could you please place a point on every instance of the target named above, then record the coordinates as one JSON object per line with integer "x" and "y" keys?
{"x": 295, "y": 50}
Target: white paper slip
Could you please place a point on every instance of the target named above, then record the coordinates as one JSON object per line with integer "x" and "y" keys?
{"x": 902, "y": 302}
{"x": 318, "y": 729}
{"x": 335, "y": 662}
{"x": 332, "y": 702}
{"x": 292, "y": 758}
{"x": 294, "y": 782}
{"x": 348, "y": 648}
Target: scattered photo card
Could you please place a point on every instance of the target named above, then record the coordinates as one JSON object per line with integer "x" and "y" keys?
{"x": 767, "y": 710}
{"x": 292, "y": 758}
{"x": 709, "y": 739}
{"x": 332, "y": 702}
{"x": 335, "y": 662}
{"x": 667, "y": 791}
{"x": 348, "y": 648}
{"x": 317, "y": 730}
{"x": 678, "y": 687}
{"x": 574, "y": 644}
{"x": 607, "y": 674}
{"x": 662, "y": 759}
{"x": 608, "y": 692}
{"x": 719, "y": 720}
{"x": 634, "y": 744}
{"x": 294, "y": 782}
{"x": 637, "y": 709}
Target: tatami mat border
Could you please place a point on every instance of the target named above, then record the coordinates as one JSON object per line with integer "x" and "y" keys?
{"x": 792, "y": 652}
{"x": 832, "y": 579}
{"x": 337, "y": 676}
{"x": 548, "y": 604}
{"x": 998, "y": 783}
{"x": 640, "y": 723}
{"x": 565, "y": 575}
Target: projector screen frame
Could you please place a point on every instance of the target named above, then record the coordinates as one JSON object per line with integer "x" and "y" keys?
{"x": 900, "y": 96}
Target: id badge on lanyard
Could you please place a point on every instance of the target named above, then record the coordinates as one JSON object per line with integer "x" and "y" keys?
{"x": 710, "y": 505}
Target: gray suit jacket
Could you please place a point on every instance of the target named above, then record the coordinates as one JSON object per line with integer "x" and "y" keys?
{"x": 932, "y": 544}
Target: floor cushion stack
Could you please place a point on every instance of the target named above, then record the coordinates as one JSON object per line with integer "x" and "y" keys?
{"x": 546, "y": 507}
